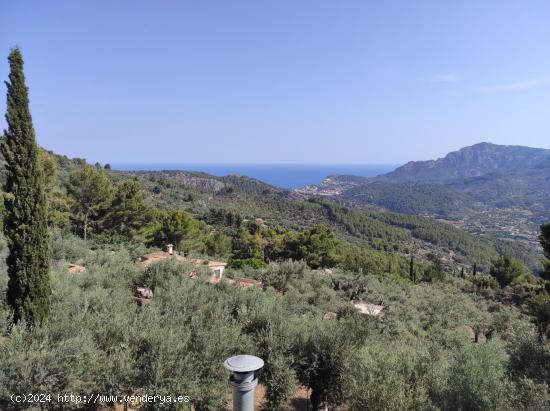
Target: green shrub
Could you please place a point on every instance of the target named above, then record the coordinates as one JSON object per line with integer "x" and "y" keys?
{"x": 391, "y": 376}
{"x": 527, "y": 395}
{"x": 539, "y": 306}
{"x": 484, "y": 281}
{"x": 477, "y": 378}
{"x": 240, "y": 263}
{"x": 279, "y": 275}
{"x": 159, "y": 273}
{"x": 529, "y": 358}
{"x": 68, "y": 247}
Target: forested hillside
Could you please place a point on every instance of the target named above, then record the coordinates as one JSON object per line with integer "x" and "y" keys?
{"x": 409, "y": 198}
{"x": 252, "y": 199}
{"x": 214, "y": 215}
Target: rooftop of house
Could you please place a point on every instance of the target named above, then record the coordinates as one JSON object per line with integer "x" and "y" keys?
{"x": 150, "y": 258}
{"x": 75, "y": 268}
{"x": 216, "y": 264}
{"x": 210, "y": 264}
{"x": 243, "y": 282}
{"x": 247, "y": 282}
{"x": 160, "y": 255}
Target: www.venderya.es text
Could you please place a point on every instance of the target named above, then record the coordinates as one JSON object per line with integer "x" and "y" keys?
{"x": 97, "y": 399}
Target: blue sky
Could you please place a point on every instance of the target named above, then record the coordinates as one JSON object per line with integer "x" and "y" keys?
{"x": 281, "y": 81}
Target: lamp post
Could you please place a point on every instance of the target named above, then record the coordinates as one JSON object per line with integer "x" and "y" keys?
{"x": 243, "y": 380}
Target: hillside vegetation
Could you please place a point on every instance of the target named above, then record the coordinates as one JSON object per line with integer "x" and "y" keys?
{"x": 409, "y": 197}
{"x": 471, "y": 328}
{"x": 420, "y": 356}
{"x": 260, "y": 230}
{"x": 402, "y": 234}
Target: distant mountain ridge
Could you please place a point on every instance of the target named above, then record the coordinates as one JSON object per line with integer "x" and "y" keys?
{"x": 503, "y": 177}
{"x": 473, "y": 161}
{"x": 484, "y": 188}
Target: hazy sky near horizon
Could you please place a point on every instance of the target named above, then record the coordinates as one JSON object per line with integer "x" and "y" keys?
{"x": 285, "y": 81}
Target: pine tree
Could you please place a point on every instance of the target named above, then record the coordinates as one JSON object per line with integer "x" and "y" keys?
{"x": 128, "y": 215}
{"x": 506, "y": 269}
{"x": 92, "y": 192}
{"x": 25, "y": 221}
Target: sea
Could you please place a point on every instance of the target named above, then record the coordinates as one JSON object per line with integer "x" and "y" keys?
{"x": 280, "y": 175}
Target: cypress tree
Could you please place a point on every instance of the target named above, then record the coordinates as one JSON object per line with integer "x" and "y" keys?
{"x": 25, "y": 219}
{"x": 475, "y": 269}
{"x": 411, "y": 270}
{"x": 462, "y": 272}
{"x": 545, "y": 243}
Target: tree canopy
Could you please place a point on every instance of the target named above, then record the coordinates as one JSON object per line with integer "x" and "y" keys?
{"x": 91, "y": 192}
{"x": 506, "y": 269}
